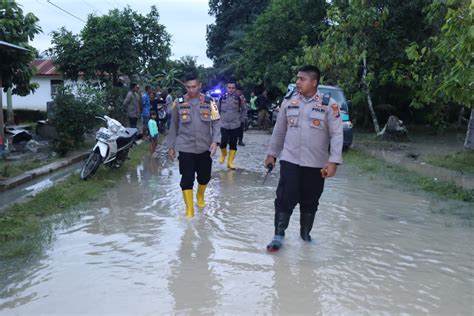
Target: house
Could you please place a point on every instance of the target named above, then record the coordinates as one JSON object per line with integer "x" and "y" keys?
{"x": 49, "y": 80}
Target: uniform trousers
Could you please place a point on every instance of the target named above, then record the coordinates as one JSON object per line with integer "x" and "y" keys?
{"x": 191, "y": 164}
{"x": 297, "y": 185}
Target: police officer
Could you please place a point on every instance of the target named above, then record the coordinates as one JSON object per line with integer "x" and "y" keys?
{"x": 194, "y": 133}
{"x": 232, "y": 111}
{"x": 308, "y": 140}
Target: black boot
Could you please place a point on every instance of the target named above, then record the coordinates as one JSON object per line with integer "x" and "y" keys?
{"x": 281, "y": 224}
{"x": 241, "y": 143}
{"x": 306, "y": 224}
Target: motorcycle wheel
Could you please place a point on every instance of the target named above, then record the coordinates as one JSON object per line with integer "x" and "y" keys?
{"x": 91, "y": 165}
{"x": 121, "y": 158}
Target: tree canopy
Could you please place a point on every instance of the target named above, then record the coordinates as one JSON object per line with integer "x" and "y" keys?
{"x": 120, "y": 42}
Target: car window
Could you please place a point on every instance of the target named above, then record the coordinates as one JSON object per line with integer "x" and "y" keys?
{"x": 337, "y": 95}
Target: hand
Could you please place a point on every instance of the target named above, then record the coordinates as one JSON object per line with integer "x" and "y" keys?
{"x": 172, "y": 154}
{"x": 213, "y": 149}
{"x": 270, "y": 160}
{"x": 329, "y": 170}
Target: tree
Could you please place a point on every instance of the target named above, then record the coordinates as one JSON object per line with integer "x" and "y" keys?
{"x": 230, "y": 16}
{"x": 121, "y": 42}
{"x": 273, "y": 42}
{"x": 15, "y": 71}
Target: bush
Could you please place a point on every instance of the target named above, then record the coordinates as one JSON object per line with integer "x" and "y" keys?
{"x": 72, "y": 117}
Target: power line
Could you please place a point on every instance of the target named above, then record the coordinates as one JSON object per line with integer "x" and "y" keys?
{"x": 74, "y": 16}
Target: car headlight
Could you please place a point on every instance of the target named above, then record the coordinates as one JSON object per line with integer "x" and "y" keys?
{"x": 347, "y": 124}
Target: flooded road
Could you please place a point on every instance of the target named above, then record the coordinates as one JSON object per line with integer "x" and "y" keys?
{"x": 379, "y": 248}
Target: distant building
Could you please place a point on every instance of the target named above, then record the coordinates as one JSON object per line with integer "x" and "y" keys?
{"x": 49, "y": 80}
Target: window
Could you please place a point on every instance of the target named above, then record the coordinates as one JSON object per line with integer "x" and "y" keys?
{"x": 55, "y": 86}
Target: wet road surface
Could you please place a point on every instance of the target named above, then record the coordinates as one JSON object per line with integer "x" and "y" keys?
{"x": 378, "y": 248}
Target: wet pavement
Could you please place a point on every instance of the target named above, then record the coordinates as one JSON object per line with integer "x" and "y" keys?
{"x": 379, "y": 248}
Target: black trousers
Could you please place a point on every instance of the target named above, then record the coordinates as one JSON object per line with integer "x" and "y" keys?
{"x": 133, "y": 121}
{"x": 297, "y": 185}
{"x": 229, "y": 136}
{"x": 190, "y": 164}
{"x": 241, "y": 132}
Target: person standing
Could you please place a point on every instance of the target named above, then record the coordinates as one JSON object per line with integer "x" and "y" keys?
{"x": 146, "y": 108}
{"x": 263, "y": 105}
{"x": 153, "y": 130}
{"x": 194, "y": 133}
{"x": 231, "y": 110}
{"x": 131, "y": 104}
{"x": 308, "y": 139}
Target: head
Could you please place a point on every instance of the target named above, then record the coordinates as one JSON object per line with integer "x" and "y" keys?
{"x": 307, "y": 80}
{"x": 170, "y": 91}
{"x": 252, "y": 94}
{"x": 265, "y": 92}
{"x": 153, "y": 115}
{"x": 231, "y": 87}
{"x": 193, "y": 85}
{"x": 148, "y": 89}
{"x": 134, "y": 87}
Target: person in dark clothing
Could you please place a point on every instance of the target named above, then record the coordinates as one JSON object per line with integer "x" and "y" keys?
{"x": 263, "y": 105}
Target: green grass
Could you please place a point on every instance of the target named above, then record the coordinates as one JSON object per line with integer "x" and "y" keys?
{"x": 25, "y": 226}
{"x": 11, "y": 169}
{"x": 462, "y": 161}
{"x": 368, "y": 164}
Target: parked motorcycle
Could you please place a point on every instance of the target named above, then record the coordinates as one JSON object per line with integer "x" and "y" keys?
{"x": 162, "y": 118}
{"x": 112, "y": 147}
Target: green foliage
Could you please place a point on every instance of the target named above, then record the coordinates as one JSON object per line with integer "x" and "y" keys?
{"x": 73, "y": 116}
{"x": 17, "y": 28}
{"x": 462, "y": 161}
{"x": 231, "y": 17}
{"x": 370, "y": 165}
{"x": 121, "y": 42}
{"x": 274, "y": 41}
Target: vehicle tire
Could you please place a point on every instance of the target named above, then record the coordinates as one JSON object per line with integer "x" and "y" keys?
{"x": 121, "y": 157}
{"x": 91, "y": 165}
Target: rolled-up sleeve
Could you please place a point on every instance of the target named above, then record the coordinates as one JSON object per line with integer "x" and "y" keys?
{"x": 279, "y": 132}
{"x": 336, "y": 135}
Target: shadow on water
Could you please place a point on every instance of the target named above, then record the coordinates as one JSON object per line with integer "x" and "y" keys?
{"x": 378, "y": 248}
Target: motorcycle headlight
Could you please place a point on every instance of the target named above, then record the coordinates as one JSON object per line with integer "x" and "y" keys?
{"x": 114, "y": 128}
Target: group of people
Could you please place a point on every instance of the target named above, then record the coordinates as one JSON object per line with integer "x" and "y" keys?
{"x": 307, "y": 139}
{"x": 146, "y": 106}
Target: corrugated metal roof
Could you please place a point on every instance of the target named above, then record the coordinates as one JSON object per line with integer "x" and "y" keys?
{"x": 45, "y": 67}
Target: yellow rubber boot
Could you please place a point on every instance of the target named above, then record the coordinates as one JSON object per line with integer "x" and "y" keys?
{"x": 223, "y": 155}
{"x": 200, "y": 195}
{"x": 188, "y": 200}
{"x": 230, "y": 161}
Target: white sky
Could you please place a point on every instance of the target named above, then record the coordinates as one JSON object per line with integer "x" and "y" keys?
{"x": 185, "y": 20}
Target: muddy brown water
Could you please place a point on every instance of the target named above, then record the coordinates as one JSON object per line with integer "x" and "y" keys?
{"x": 378, "y": 248}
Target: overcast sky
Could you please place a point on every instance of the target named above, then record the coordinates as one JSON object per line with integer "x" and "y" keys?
{"x": 185, "y": 20}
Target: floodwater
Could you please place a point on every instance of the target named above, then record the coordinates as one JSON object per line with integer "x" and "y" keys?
{"x": 379, "y": 248}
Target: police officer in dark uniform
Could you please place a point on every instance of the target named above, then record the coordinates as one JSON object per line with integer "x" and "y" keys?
{"x": 194, "y": 133}
{"x": 308, "y": 139}
{"x": 232, "y": 111}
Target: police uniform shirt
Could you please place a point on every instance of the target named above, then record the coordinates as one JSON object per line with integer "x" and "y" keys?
{"x": 194, "y": 125}
{"x": 307, "y": 132}
{"x": 231, "y": 111}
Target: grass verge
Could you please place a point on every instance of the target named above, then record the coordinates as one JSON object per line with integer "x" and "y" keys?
{"x": 368, "y": 164}
{"x": 22, "y": 225}
{"x": 462, "y": 161}
{"x": 11, "y": 169}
